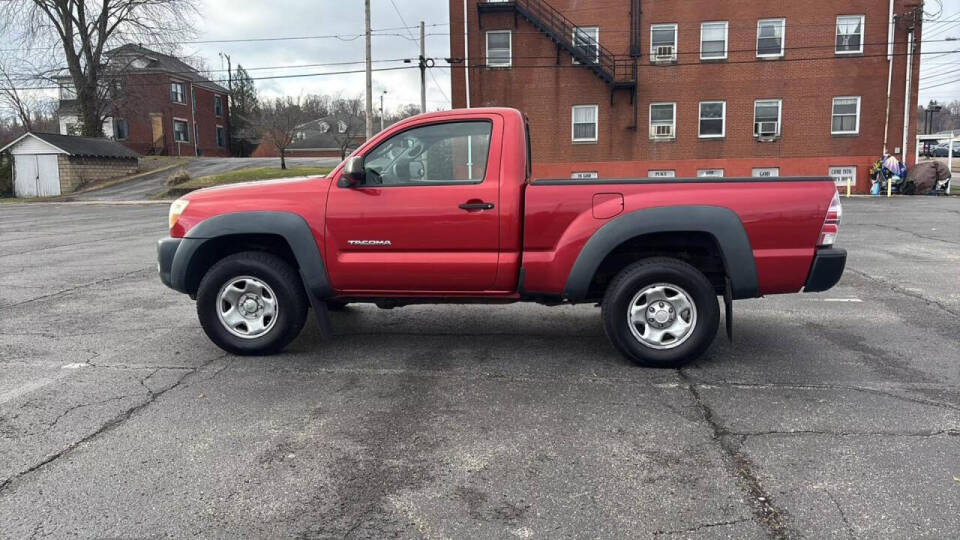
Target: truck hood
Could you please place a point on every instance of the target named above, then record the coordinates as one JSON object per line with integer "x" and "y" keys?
{"x": 248, "y": 189}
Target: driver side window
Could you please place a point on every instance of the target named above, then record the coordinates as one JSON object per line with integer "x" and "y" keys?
{"x": 452, "y": 152}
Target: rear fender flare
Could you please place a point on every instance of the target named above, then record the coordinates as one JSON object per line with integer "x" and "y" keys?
{"x": 292, "y": 227}
{"x": 721, "y": 223}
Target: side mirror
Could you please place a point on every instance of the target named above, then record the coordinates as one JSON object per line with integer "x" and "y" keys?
{"x": 352, "y": 172}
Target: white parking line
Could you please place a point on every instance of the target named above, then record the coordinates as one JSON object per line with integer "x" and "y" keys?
{"x": 842, "y": 300}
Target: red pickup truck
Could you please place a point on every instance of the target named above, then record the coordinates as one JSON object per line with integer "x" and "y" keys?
{"x": 441, "y": 208}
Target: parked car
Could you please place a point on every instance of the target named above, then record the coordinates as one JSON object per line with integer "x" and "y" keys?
{"x": 942, "y": 150}
{"x": 441, "y": 207}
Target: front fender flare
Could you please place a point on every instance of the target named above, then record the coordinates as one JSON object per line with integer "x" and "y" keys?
{"x": 292, "y": 227}
{"x": 721, "y": 223}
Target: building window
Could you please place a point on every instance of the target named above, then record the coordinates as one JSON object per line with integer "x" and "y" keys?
{"x": 67, "y": 91}
{"x": 217, "y": 106}
{"x": 663, "y": 120}
{"x": 765, "y": 172}
{"x": 770, "y": 37}
{"x": 585, "y": 175}
{"x": 840, "y": 175}
{"x": 341, "y": 126}
{"x": 121, "y": 129}
{"x": 584, "y": 123}
{"x": 766, "y": 118}
{"x": 713, "y": 119}
{"x": 221, "y": 137}
{"x": 709, "y": 173}
{"x": 499, "y": 53}
{"x": 178, "y": 92}
{"x": 846, "y": 116}
{"x": 663, "y": 42}
{"x": 587, "y": 40}
{"x": 849, "y": 34}
{"x": 661, "y": 173}
{"x": 713, "y": 40}
{"x": 181, "y": 131}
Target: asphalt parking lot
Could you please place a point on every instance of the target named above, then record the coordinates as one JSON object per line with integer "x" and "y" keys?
{"x": 833, "y": 415}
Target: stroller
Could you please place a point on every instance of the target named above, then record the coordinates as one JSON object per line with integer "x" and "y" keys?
{"x": 887, "y": 169}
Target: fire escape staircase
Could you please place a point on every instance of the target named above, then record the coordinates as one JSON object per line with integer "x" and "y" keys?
{"x": 618, "y": 73}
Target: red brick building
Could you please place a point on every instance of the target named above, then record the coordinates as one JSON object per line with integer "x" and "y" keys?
{"x": 633, "y": 88}
{"x": 160, "y": 105}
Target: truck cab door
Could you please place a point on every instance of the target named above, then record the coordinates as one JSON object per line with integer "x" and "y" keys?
{"x": 424, "y": 218}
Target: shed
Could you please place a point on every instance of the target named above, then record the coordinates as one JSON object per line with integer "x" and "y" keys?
{"x": 49, "y": 164}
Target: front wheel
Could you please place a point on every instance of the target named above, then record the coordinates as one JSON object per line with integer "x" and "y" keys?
{"x": 251, "y": 303}
{"x": 661, "y": 312}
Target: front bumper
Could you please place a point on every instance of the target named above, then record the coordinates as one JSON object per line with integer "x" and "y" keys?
{"x": 166, "y": 250}
{"x": 827, "y": 267}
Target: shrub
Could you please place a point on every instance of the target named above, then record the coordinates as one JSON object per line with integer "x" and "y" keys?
{"x": 178, "y": 177}
{"x": 6, "y": 175}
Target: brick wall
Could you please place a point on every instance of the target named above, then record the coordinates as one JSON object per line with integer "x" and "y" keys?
{"x": 545, "y": 85}
{"x": 77, "y": 171}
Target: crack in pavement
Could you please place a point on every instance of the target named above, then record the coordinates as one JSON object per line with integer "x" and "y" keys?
{"x": 919, "y": 434}
{"x": 768, "y": 515}
{"x": 78, "y": 287}
{"x": 105, "y": 427}
{"x": 865, "y": 389}
{"x": 700, "y": 527}
{"x": 905, "y": 231}
{"x": 900, "y": 290}
{"x": 843, "y": 516}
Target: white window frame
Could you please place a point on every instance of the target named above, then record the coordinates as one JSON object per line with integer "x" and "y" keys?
{"x": 840, "y": 179}
{"x": 783, "y": 37}
{"x": 596, "y": 36}
{"x": 723, "y": 118}
{"x": 863, "y": 33}
{"x": 709, "y": 173}
{"x": 116, "y": 128}
{"x": 185, "y": 122}
{"x": 500, "y": 64}
{"x": 585, "y": 175}
{"x": 217, "y": 100}
{"x": 726, "y": 39}
{"x": 596, "y": 123}
{"x": 661, "y": 173}
{"x": 653, "y": 49}
{"x": 216, "y": 135}
{"x": 757, "y": 172}
{"x": 833, "y": 105}
{"x": 182, "y": 85}
{"x": 673, "y": 122}
{"x": 756, "y": 128}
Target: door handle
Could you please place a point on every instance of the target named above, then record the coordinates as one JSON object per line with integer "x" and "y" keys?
{"x": 477, "y": 206}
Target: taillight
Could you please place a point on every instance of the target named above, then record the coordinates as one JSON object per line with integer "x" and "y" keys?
{"x": 831, "y": 223}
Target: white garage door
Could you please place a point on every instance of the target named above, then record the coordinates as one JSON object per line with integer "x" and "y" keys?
{"x": 37, "y": 175}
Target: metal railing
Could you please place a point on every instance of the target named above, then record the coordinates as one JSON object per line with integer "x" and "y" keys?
{"x": 586, "y": 50}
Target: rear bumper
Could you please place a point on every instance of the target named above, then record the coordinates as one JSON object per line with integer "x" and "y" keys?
{"x": 166, "y": 250}
{"x": 827, "y": 267}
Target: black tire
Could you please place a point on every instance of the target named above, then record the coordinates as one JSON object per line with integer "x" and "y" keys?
{"x": 286, "y": 286}
{"x": 648, "y": 272}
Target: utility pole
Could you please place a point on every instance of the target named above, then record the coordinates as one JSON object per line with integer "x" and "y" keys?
{"x": 369, "y": 108}
{"x": 229, "y": 73}
{"x": 423, "y": 70}
{"x": 381, "y": 110}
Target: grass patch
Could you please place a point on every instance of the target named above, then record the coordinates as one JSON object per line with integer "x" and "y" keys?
{"x": 244, "y": 175}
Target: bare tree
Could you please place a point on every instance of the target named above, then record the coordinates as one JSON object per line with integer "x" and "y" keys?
{"x": 278, "y": 124}
{"x": 348, "y": 113}
{"x": 82, "y": 30}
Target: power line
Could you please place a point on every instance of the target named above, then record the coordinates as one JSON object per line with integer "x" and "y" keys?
{"x": 432, "y": 76}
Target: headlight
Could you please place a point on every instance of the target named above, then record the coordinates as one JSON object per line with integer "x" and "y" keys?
{"x": 176, "y": 209}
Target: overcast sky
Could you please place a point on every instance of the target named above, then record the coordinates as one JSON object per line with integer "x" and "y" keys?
{"x": 940, "y": 74}
{"x": 232, "y": 19}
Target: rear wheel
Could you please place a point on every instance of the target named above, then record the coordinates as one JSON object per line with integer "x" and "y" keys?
{"x": 661, "y": 312}
{"x": 251, "y": 303}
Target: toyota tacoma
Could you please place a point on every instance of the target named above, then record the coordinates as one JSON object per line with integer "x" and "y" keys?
{"x": 442, "y": 208}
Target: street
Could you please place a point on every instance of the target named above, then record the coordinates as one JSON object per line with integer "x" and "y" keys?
{"x": 152, "y": 184}
{"x": 831, "y": 415}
